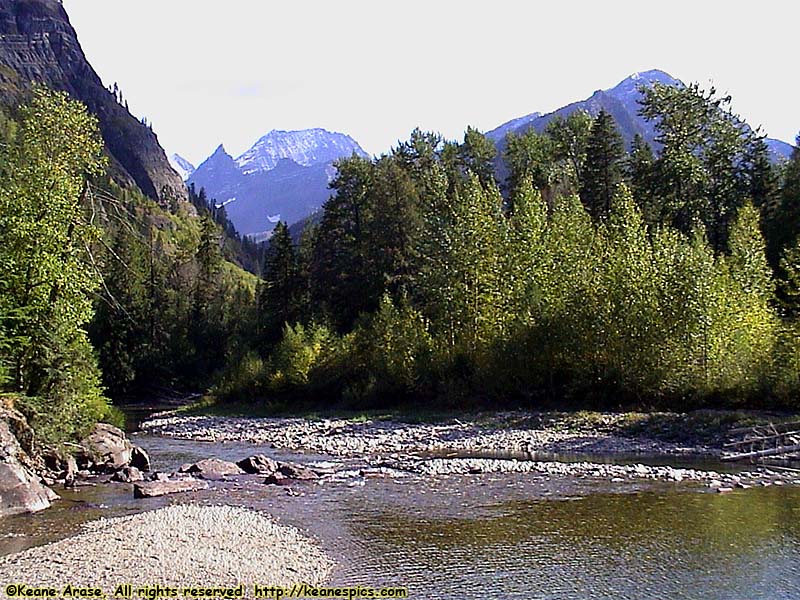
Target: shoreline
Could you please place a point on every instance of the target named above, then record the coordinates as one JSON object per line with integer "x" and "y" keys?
{"x": 606, "y": 434}
{"x": 517, "y": 442}
{"x": 179, "y": 545}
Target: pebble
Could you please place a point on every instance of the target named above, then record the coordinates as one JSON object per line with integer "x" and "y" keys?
{"x": 238, "y": 546}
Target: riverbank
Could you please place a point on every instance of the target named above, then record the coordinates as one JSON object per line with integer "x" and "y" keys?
{"x": 670, "y": 434}
{"x": 182, "y": 545}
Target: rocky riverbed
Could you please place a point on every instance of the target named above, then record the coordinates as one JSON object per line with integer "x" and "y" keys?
{"x": 459, "y": 446}
{"x": 174, "y": 546}
{"x": 504, "y": 432}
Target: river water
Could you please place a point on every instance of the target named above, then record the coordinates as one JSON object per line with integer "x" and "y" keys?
{"x": 494, "y": 536}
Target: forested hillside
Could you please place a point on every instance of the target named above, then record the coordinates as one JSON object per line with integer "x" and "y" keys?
{"x": 597, "y": 275}
{"x": 104, "y": 293}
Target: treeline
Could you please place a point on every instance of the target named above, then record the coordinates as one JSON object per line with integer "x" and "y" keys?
{"x": 104, "y": 293}
{"x": 591, "y": 273}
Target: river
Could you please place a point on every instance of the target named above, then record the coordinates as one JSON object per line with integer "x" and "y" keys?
{"x": 495, "y": 536}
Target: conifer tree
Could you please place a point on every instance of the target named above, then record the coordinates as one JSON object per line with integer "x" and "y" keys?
{"x": 603, "y": 169}
{"x": 279, "y": 300}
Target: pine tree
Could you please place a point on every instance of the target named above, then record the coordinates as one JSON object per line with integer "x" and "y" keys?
{"x": 603, "y": 169}
{"x": 783, "y": 224}
{"x": 639, "y": 171}
{"x": 343, "y": 282}
{"x": 477, "y": 155}
{"x": 279, "y": 301}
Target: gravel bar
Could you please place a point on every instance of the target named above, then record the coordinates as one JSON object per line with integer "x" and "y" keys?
{"x": 179, "y": 545}
{"x": 350, "y": 438}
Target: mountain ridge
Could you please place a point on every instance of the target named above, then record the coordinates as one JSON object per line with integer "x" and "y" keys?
{"x": 283, "y": 175}
{"x": 621, "y": 101}
{"x": 39, "y": 44}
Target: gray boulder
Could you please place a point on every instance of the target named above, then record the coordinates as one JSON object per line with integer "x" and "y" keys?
{"x": 20, "y": 490}
{"x": 214, "y": 468}
{"x": 276, "y": 478}
{"x": 106, "y": 449}
{"x": 293, "y": 471}
{"x": 258, "y": 464}
{"x": 152, "y": 489}
{"x": 128, "y": 475}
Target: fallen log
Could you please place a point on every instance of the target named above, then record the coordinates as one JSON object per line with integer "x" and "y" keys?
{"x": 761, "y": 453}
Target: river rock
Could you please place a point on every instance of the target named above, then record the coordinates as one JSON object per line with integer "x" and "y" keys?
{"x": 276, "y": 478}
{"x": 106, "y": 448}
{"x": 20, "y": 490}
{"x": 214, "y": 468}
{"x": 152, "y": 489}
{"x": 293, "y": 471}
{"x": 258, "y": 464}
{"x": 128, "y": 475}
{"x": 140, "y": 459}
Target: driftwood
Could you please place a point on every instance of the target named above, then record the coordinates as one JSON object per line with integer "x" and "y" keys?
{"x": 761, "y": 453}
{"x": 763, "y": 441}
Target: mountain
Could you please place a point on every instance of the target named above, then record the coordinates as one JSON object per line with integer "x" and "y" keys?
{"x": 622, "y": 102}
{"x": 307, "y": 147}
{"x": 38, "y": 44}
{"x": 283, "y": 176}
{"x": 181, "y": 166}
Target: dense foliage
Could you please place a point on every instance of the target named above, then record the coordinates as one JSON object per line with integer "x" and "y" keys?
{"x": 596, "y": 275}
{"x": 592, "y": 273}
{"x": 49, "y": 273}
{"x": 102, "y": 291}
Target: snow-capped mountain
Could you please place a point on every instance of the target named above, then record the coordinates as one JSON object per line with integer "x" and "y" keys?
{"x": 182, "y": 166}
{"x": 307, "y": 147}
{"x": 285, "y": 173}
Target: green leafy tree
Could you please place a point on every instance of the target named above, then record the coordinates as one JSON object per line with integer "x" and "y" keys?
{"x": 570, "y": 139}
{"x": 698, "y": 175}
{"x": 47, "y": 241}
{"x": 477, "y": 155}
{"x": 639, "y": 172}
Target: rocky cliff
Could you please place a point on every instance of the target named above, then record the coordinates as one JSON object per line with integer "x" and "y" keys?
{"x": 38, "y": 44}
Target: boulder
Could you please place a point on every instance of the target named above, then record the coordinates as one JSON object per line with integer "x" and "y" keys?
{"x": 106, "y": 447}
{"x": 214, "y": 468}
{"x": 20, "y": 490}
{"x": 276, "y": 478}
{"x": 152, "y": 489}
{"x": 293, "y": 471}
{"x": 258, "y": 464}
{"x": 140, "y": 459}
{"x": 128, "y": 475}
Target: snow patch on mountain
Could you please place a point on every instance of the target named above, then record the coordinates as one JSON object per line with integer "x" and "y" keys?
{"x": 307, "y": 147}
{"x": 182, "y": 166}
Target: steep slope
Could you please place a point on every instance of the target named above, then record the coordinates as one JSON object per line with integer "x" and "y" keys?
{"x": 283, "y": 176}
{"x": 38, "y": 44}
{"x": 622, "y": 102}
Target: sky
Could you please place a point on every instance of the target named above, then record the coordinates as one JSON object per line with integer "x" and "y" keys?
{"x": 206, "y": 72}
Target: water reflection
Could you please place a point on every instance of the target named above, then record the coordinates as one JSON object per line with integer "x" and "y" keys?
{"x": 498, "y": 536}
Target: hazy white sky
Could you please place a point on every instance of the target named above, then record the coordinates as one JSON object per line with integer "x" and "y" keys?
{"x": 211, "y": 71}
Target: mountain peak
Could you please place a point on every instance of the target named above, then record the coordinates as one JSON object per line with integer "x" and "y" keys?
{"x": 220, "y": 151}
{"x": 628, "y": 88}
{"x": 306, "y": 147}
{"x": 182, "y": 167}
{"x": 653, "y": 75}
